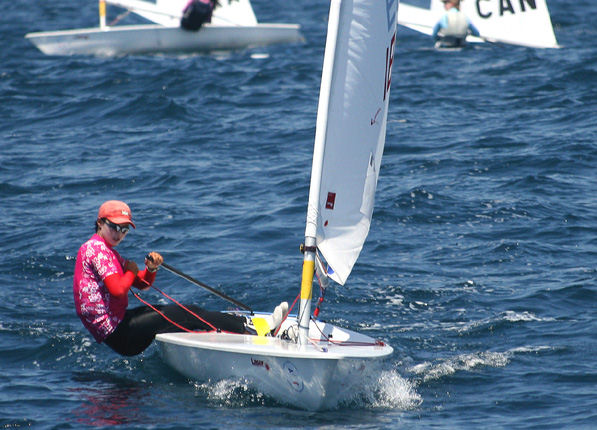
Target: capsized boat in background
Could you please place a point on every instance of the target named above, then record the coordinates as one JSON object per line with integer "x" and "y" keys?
{"x": 233, "y": 27}
{"x": 312, "y": 364}
{"x": 516, "y": 22}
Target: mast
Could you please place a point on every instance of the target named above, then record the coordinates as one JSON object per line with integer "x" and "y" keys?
{"x": 316, "y": 170}
{"x": 102, "y": 14}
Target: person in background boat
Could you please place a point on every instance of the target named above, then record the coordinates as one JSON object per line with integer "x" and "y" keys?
{"x": 196, "y": 13}
{"x": 103, "y": 278}
{"x": 453, "y": 27}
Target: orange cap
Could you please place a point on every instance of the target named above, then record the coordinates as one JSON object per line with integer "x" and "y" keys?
{"x": 116, "y": 211}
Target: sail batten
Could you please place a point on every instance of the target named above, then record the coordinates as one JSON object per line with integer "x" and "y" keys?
{"x": 351, "y": 128}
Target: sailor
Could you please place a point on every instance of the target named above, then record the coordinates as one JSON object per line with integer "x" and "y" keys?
{"x": 453, "y": 27}
{"x": 103, "y": 278}
{"x": 196, "y": 13}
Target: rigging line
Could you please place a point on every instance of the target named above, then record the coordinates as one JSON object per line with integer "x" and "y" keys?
{"x": 162, "y": 314}
{"x": 312, "y": 341}
{"x": 119, "y": 17}
{"x": 315, "y": 343}
{"x": 205, "y": 286}
{"x": 321, "y": 295}
{"x": 299, "y": 317}
{"x": 321, "y": 273}
{"x": 185, "y": 308}
{"x": 321, "y": 262}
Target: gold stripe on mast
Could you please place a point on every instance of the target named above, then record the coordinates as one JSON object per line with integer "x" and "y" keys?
{"x": 102, "y": 13}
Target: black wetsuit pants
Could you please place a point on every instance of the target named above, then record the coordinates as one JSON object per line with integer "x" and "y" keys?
{"x": 140, "y": 325}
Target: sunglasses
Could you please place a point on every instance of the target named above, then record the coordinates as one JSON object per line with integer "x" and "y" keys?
{"x": 116, "y": 227}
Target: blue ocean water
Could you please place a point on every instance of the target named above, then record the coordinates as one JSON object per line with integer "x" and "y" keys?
{"x": 480, "y": 268}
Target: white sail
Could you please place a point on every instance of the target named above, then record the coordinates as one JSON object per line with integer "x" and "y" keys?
{"x": 169, "y": 12}
{"x": 351, "y": 129}
{"x": 517, "y": 22}
{"x": 417, "y": 18}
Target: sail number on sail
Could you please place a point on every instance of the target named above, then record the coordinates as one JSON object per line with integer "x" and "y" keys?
{"x": 504, "y": 6}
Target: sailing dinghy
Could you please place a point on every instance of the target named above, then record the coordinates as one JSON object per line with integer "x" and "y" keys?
{"x": 324, "y": 364}
{"x": 233, "y": 27}
{"x": 515, "y": 22}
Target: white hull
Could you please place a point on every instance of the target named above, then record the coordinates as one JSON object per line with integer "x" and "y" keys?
{"x": 143, "y": 39}
{"x": 317, "y": 376}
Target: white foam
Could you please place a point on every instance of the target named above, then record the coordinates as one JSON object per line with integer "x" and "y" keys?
{"x": 387, "y": 390}
{"x": 463, "y": 362}
{"x": 230, "y": 392}
{"x": 531, "y": 349}
{"x": 395, "y": 392}
{"x": 260, "y": 56}
{"x": 509, "y": 316}
{"x": 513, "y": 316}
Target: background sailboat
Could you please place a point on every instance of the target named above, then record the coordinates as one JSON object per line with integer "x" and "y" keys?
{"x": 325, "y": 363}
{"x": 521, "y": 22}
{"x": 234, "y": 26}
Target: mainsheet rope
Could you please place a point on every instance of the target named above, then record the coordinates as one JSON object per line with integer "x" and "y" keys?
{"x": 170, "y": 320}
{"x": 174, "y": 322}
